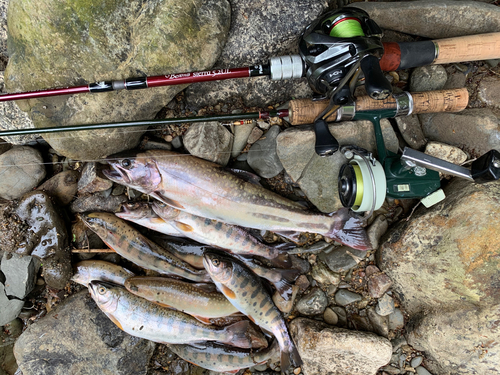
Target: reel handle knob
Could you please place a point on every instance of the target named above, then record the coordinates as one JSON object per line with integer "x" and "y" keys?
{"x": 376, "y": 85}
{"x": 326, "y": 144}
{"x": 486, "y": 168}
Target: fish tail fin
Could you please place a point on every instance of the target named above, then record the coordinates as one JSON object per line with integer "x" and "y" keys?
{"x": 284, "y": 286}
{"x": 238, "y": 335}
{"x": 349, "y": 229}
{"x": 290, "y": 359}
{"x": 282, "y": 258}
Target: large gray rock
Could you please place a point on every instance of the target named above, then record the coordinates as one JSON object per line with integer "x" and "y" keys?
{"x": 77, "y": 338}
{"x": 458, "y": 340}
{"x": 262, "y": 156}
{"x": 210, "y": 141}
{"x": 448, "y": 254}
{"x": 9, "y": 307}
{"x": 475, "y": 130}
{"x": 318, "y": 176}
{"x": 108, "y": 40}
{"x": 331, "y": 350}
{"x": 20, "y": 274}
{"x": 428, "y": 78}
{"x": 259, "y": 30}
{"x": 21, "y": 169}
{"x": 431, "y": 19}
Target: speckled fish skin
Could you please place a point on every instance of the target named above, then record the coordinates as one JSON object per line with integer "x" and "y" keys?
{"x": 88, "y": 270}
{"x": 132, "y": 245}
{"x": 222, "y": 358}
{"x": 218, "y": 234}
{"x": 246, "y": 292}
{"x": 190, "y": 298}
{"x": 205, "y": 189}
{"x": 141, "y": 213}
{"x": 142, "y": 318}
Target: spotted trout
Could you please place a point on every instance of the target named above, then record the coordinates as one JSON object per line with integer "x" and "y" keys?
{"x": 246, "y": 292}
{"x": 222, "y": 358}
{"x": 200, "y": 300}
{"x": 206, "y": 189}
{"x": 88, "y": 270}
{"x": 148, "y": 320}
{"x": 132, "y": 245}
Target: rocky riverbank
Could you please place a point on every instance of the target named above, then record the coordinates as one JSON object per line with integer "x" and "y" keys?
{"x": 423, "y": 301}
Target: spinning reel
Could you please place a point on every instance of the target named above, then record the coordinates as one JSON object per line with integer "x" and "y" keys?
{"x": 336, "y": 49}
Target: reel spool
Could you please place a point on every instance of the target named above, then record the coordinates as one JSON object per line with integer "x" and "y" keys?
{"x": 331, "y": 46}
{"x": 362, "y": 184}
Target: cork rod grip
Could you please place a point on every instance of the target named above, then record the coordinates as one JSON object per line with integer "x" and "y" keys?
{"x": 468, "y": 48}
{"x": 304, "y": 111}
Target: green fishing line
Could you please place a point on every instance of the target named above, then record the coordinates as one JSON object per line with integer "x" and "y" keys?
{"x": 347, "y": 28}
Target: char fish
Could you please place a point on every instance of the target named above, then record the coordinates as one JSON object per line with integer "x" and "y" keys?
{"x": 222, "y": 358}
{"x": 202, "y": 301}
{"x": 246, "y": 292}
{"x": 142, "y": 318}
{"x": 132, "y": 245}
{"x": 88, "y": 270}
{"x": 205, "y": 189}
{"x": 221, "y": 235}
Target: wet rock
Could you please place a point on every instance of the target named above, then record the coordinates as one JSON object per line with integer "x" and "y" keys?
{"x": 323, "y": 275}
{"x": 9, "y": 307}
{"x": 417, "y": 361}
{"x": 489, "y": 91}
{"x": 8, "y": 335}
{"x": 396, "y": 320}
{"x": 342, "y": 259}
{"x": 258, "y": 31}
{"x": 422, "y": 371}
{"x": 428, "y": 78}
{"x": 97, "y": 202}
{"x": 378, "y": 284}
{"x": 255, "y": 135}
{"x": 22, "y": 169}
{"x": 91, "y": 180}
{"x": 20, "y": 274}
{"x": 385, "y": 305}
{"x": 443, "y": 19}
{"x": 12, "y": 118}
{"x": 283, "y": 305}
{"x": 330, "y": 316}
{"x": 356, "y": 353}
{"x": 474, "y": 130}
{"x": 75, "y": 337}
{"x": 313, "y": 303}
{"x": 317, "y": 176}
{"x": 343, "y": 297}
{"x": 379, "y": 323}
{"x": 158, "y": 39}
{"x": 303, "y": 283}
{"x": 458, "y": 339}
{"x": 62, "y": 187}
{"x": 447, "y": 254}
{"x": 44, "y": 236}
{"x": 411, "y": 131}
{"x": 210, "y": 141}
{"x": 262, "y": 156}
{"x": 341, "y": 314}
{"x": 241, "y": 134}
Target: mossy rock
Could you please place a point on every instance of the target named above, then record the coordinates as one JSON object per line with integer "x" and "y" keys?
{"x": 54, "y": 43}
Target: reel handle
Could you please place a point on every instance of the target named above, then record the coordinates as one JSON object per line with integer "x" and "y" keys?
{"x": 326, "y": 144}
{"x": 376, "y": 85}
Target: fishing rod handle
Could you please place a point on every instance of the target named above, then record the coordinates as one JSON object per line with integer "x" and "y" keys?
{"x": 304, "y": 111}
{"x": 407, "y": 55}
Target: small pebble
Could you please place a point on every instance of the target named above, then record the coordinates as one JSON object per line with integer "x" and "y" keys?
{"x": 330, "y": 317}
{"x": 177, "y": 142}
{"x": 422, "y": 371}
{"x": 297, "y": 371}
{"x": 417, "y": 361}
{"x": 344, "y": 297}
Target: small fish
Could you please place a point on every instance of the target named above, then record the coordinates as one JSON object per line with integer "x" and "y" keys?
{"x": 132, "y": 245}
{"x": 142, "y": 213}
{"x": 221, "y": 235}
{"x": 88, "y": 270}
{"x": 200, "y": 300}
{"x": 148, "y": 320}
{"x": 222, "y": 358}
{"x": 205, "y": 189}
{"x": 183, "y": 248}
{"x": 246, "y": 292}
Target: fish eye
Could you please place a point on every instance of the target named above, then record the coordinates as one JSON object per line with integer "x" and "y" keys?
{"x": 216, "y": 262}
{"x": 101, "y": 290}
{"x": 126, "y": 163}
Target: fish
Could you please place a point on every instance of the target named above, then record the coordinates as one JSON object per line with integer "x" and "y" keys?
{"x": 202, "y": 301}
{"x": 222, "y": 358}
{"x": 132, "y": 245}
{"x": 183, "y": 248}
{"x": 148, "y": 320}
{"x": 88, "y": 270}
{"x": 246, "y": 292}
{"x": 221, "y": 235}
{"x": 206, "y": 189}
{"x": 141, "y": 213}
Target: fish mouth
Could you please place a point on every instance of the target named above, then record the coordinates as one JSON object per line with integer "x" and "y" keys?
{"x": 117, "y": 174}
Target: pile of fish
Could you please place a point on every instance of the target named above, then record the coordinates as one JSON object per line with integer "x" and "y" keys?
{"x": 211, "y": 303}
